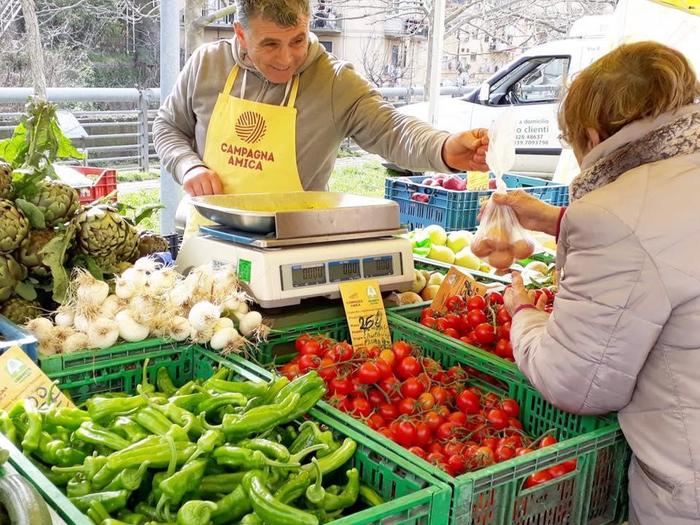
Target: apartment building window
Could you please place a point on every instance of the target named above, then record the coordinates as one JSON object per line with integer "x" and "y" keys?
{"x": 327, "y": 44}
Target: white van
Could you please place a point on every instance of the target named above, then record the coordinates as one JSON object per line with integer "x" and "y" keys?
{"x": 532, "y": 83}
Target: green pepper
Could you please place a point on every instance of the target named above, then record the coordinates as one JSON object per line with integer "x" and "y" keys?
{"x": 315, "y": 493}
{"x": 128, "y": 429}
{"x": 60, "y": 479}
{"x": 273, "y": 388}
{"x": 66, "y": 417}
{"x": 269, "y": 509}
{"x": 319, "y": 436}
{"x": 144, "y": 509}
{"x": 128, "y": 479}
{"x": 220, "y": 483}
{"x": 207, "y": 442}
{"x": 212, "y": 404}
{"x": 78, "y": 486}
{"x": 153, "y": 449}
{"x": 271, "y": 449}
{"x": 174, "y": 487}
{"x": 305, "y": 437}
{"x": 232, "y": 506}
{"x": 8, "y": 428}
{"x": 247, "y": 388}
{"x": 189, "y": 401}
{"x": 164, "y": 382}
{"x": 145, "y": 387}
{"x": 90, "y": 432}
{"x": 251, "y": 519}
{"x": 103, "y": 409}
{"x": 97, "y": 512}
{"x": 58, "y": 452}
{"x": 307, "y": 402}
{"x": 157, "y": 423}
{"x": 186, "y": 389}
{"x": 195, "y": 512}
{"x": 35, "y": 421}
{"x": 255, "y": 420}
{"x": 131, "y": 518}
{"x": 347, "y": 497}
{"x": 370, "y": 497}
{"x": 89, "y": 468}
{"x": 112, "y": 521}
{"x": 301, "y": 385}
{"x": 246, "y": 459}
{"x": 112, "y": 501}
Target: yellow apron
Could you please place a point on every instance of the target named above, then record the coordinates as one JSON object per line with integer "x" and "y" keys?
{"x": 251, "y": 145}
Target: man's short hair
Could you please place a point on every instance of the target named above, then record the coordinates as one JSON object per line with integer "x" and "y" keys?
{"x": 284, "y": 13}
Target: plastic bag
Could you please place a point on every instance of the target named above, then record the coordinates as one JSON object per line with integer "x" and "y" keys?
{"x": 500, "y": 239}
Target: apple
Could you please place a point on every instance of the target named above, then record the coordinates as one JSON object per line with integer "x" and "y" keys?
{"x": 420, "y": 197}
{"x": 467, "y": 259}
{"x": 459, "y": 239}
{"x": 453, "y": 182}
{"x": 419, "y": 281}
{"x": 429, "y": 292}
{"x": 442, "y": 253}
{"x": 437, "y": 234}
{"x": 435, "y": 278}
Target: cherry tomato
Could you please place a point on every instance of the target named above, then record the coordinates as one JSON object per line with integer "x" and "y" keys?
{"x": 476, "y": 302}
{"x": 454, "y": 303}
{"x": 427, "y": 312}
{"x": 504, "y": 453}
{"x": 453, "y": 447}
{"x": 309, "y": 362}
{"x": 426, "y": 401}
{"x": 475, "y": 318}
{"x": 375, "y": 422}
{"x": 522, "y": 451}
{"x": 344, "y": 351}
{"x": 569, "y": 465}
{"x": 418, "y": 452}
{"x": 547, "y": 441}
{"x": 435, "y": 458}
{"x": 327, "y": 369}
{"x": 387, "y": 356}
{"x": 456, "y": 465}
{"x": 375, "y": 397}
{"x": 301, "y": 341}
{"x": 361, "y": 407}
{"x": 494, "y": 298}
{"x": 408, "y": 367}
{"x": 468, "y": 402}
{"x": 412, "y": 388}
{"x": 407, "y": 406}
{"x": 497, "y": 418}
{"x": 504, "y": 331}
{"x": 557, "y": 470}
{"x": 341, "y": 386}
{"x": 537, "y": 479}
{"x": 369, "y": 373}
{"x": 510, "y": 407}
{"x": 491, "y": 442}
{"x": 433, "y": 419}
{"x": 504, "y": 349}
{"x": 290, "y": 370}
{"x": 401, "y": 349}
{"x": 424, "y": 435}
{"x": 388, "y": 411}
{"x": 430, "y": 322}
{"x": 439, "y": 394}
{"x": 446, "y": 430}
{"x": 484, "y": 334}
{"x": 515, "y": 423}
{"x": 451, "y": 332}
{"x": 405, "y": 434}
{"x": 458, "y": 418}
{"x": 390, "y": 386}
{"x": 502, "y": 315}
{"x": 385, "y": 369}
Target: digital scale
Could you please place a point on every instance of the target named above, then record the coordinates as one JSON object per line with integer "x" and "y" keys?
{"x": 293, "y": 246}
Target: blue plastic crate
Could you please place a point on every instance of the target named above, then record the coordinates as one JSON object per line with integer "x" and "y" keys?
{"x": 12, "y": 335}
{"x": 457, "y": 210}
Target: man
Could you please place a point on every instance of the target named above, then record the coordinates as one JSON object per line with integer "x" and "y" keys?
{"x": 267, "y": 111}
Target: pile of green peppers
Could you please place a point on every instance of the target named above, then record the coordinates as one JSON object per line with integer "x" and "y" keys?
{"x": 211, "y": 451}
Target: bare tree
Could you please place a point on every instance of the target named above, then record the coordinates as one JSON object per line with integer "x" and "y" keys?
{"x": 36, "y": 52}
{"x": 198, "y": 16}
{"x": 379, "y": 67}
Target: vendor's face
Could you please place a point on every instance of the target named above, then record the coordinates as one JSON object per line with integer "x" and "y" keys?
{"x": 276, "y": 51}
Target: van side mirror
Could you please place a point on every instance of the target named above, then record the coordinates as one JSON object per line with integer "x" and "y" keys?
{"x": 484, "y": 92}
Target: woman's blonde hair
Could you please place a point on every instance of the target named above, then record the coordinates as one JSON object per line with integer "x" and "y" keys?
{"x": 632, "y": 82}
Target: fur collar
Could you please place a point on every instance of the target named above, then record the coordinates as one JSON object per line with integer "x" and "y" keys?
{"x": 676, "y": 136}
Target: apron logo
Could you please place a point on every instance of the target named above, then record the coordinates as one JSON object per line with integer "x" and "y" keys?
{"x": 251, "y": 127}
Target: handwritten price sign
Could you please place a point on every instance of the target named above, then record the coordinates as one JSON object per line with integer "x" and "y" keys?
{"x": 364, "y": 310}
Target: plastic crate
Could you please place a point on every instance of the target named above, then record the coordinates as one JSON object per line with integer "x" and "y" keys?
{"x": 593, "y": 494}
{"x": 412, "y": 496}
{"x": 104, "y": 183}
{"x": 411, "y": 315}
{"x": 457, "y": 210}
{"x": 60, "y": 362}
{"x": 12, "y": 335}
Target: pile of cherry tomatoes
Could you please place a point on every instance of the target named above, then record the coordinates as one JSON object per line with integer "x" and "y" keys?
{"x": 414, "y": 401}
{"x": 478, "y": 321}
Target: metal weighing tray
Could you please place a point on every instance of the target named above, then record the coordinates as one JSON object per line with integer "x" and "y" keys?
{"x": 294, "y": 215}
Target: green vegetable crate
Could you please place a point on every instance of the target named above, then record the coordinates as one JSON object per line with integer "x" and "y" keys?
{"x": 593, "y": 494}
{"x": 410, "y": 315}
{"x": 412, "y": 496}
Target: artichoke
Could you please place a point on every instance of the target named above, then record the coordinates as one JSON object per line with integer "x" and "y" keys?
{"x": 11, "y": 273}
{"x": 57, "y": 201}
{"x": 105, "y": 234}
{"x": 19, "y": 311}
{"x": 14, "y": 226}
{"x": 6, "y": 189}
{"x": 29, "y": 253}
{"x": 150, "y": 242}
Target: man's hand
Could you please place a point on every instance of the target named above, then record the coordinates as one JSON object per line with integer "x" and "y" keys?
{"x": 531, "y": 212}
{"x": 466, "y": 150}
{"x": 202, "y": 181}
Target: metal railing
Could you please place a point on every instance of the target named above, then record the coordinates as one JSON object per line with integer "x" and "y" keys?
{"x": 121, "y": 135}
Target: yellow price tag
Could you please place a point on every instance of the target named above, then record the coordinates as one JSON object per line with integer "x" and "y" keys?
{"x": 364, "y": 310}
{"x": 456, "y": 283}
{"x": 20, "y": 378}
{"x": 477, "y": 181}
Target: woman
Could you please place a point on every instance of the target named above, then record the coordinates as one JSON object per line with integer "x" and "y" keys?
{"x": 625, "y": 331}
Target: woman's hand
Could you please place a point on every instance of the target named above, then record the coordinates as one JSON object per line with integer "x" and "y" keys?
{"x": 531, "y": 212}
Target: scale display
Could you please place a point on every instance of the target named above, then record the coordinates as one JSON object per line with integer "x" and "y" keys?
{"x": 319, "y": 273}
{"x": 308, "y": 275}
{"x": 339, "y": 271}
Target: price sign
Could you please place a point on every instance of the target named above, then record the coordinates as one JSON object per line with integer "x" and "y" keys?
{"x": 364, "y": 310}
{"x": 477, "y": 181}
{"x": 456, "y": 283}
{"x": 20, "y": 378}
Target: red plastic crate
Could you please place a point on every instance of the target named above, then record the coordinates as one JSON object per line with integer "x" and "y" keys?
{"x": 104, "y": 183}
